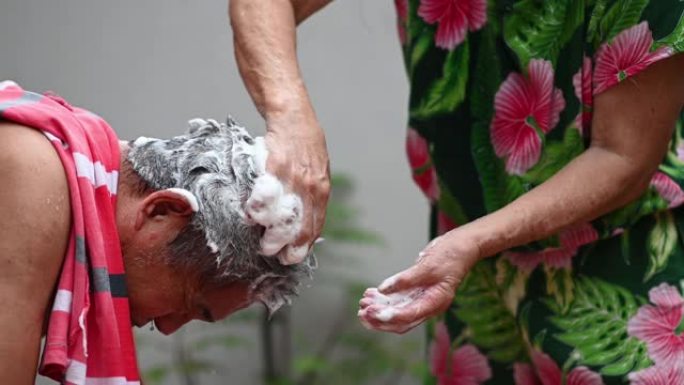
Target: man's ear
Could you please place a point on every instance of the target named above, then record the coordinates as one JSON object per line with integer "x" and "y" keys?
{"x": 174, "y": 204}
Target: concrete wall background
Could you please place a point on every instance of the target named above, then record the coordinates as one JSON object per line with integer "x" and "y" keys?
{"x": 149, "y": 66}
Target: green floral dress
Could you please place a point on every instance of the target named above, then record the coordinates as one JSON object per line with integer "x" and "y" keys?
{"x": 501, "y": 99}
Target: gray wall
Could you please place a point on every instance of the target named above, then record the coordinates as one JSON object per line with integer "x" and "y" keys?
{"x": 149, "y": 66}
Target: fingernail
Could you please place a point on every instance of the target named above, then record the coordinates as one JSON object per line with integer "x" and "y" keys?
{"x": 370, "y": 292}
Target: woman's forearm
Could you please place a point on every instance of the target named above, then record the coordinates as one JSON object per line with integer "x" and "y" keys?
{"x": 595, "y": 183}
{"x": 632, "y": 126}
{"x": 265, "y": 50}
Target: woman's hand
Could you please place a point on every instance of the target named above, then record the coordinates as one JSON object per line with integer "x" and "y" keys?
{"x": 424, "y": 290}
{"x": 264, "y": 35}
{"x": 298, "y": 157}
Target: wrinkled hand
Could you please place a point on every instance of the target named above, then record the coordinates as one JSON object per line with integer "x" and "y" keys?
{"x": 424, "y": 290}
{"x": 298, "y": 157}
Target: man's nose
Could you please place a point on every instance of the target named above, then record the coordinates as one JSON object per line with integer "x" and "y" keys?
{"x": 170, "y": 323}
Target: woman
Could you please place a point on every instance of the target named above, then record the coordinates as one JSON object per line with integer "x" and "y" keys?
{"x": 547, "y": 136}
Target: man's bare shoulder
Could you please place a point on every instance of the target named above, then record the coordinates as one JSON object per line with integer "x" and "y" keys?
{"x": 35, "y": 217}
{"x": 34, "y": 202}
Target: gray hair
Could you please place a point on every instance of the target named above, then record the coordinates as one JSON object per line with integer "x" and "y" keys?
{"x": 217, "y": 164}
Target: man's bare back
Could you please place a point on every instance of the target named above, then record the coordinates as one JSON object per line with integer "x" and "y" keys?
{"x": 35, "y": 217}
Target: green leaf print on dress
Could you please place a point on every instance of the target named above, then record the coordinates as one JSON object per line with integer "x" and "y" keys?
{"x": 482, "y": 305}
{"x": 661, "y": 243}
{"x": 449, "y": 90}
{"x": 621, "y": 16}
{"x": 676, "y": 38}
{"x": 595, "y": 325}
{"x": 539, "y": 29}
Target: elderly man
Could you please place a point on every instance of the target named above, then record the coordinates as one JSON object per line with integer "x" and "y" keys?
{"x": 98, "y": 235}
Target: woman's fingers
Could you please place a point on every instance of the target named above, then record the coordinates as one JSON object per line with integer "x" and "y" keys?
{"x": 402, "y": 311}
{"x": 426, "y": 289}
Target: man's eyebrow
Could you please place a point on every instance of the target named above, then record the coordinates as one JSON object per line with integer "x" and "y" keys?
{"x": 206, "y": 314}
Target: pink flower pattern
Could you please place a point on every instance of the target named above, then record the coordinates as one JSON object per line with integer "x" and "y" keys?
{"x": 525, "y": 109}
{"x": 658, "y": 375}
{"x": 424, "y": 174}
{"x": 582, "y": 84}
{"x": 454, "y": 19}
{"x": 547, "y": 372}
{"x": 628, "y": 54}
{"x": 657, "y": 325}
{"x": 463, "y": 366}
{"x": 444, "y": 223}
{"x": 559, "y": 257}
{"x": 668, "y": 189}
{"x": 402, "y": 17}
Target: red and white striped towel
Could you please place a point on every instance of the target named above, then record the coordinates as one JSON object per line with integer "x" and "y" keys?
{"x": 89, "y": 339}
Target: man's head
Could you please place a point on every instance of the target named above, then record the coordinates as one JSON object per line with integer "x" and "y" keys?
{"x": 189, "y": 251}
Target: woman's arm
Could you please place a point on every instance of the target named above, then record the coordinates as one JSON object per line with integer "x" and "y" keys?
{"x": 631, "y": 130}
{"x": 632, "y": 127}
{"x": 265, "y": 50}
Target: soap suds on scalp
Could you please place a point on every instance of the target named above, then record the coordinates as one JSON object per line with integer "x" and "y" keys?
{"x": 280, "y": 214}
{"x": 188, "y": 196}
{"x": 213, "y": 247}
{"x": 142, "y": 140}
{"x": 216, "y": 168}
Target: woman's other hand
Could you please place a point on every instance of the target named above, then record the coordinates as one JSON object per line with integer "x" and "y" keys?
{"x": 424, "y": 290}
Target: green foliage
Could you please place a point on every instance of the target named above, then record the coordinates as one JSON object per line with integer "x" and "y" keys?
{"x": 352, "y": 355}
{"x": 595, "y": 325}
{"x": 661, "y": 243}
{"x": 482, "y": 307}
{"x": 448, "y": 91}
{"x": 184, "y": 352}
{"x": 538, "y": 29}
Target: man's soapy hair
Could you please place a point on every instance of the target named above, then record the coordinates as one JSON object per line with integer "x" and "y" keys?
{"x": 218, "y": 164}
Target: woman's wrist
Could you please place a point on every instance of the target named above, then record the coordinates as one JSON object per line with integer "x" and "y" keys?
{"x": 293, "y": 115}
{"x": 488, "y": 235}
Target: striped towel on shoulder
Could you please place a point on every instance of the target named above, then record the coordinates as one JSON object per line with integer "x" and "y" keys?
{"x": 89, "y": 339}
